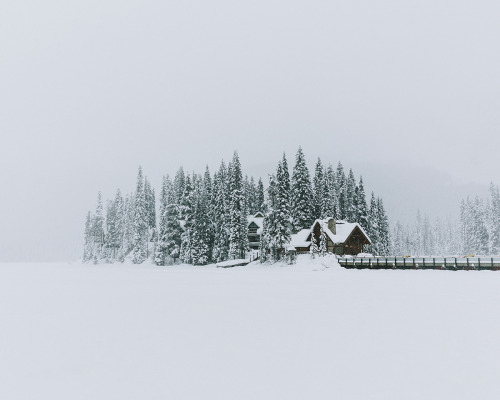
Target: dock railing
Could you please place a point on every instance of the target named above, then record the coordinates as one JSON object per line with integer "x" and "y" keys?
{"x": 447, "y": 263}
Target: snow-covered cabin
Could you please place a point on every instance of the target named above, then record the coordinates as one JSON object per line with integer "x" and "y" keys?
{"x": 341, "y": 237}
{"x": 255, "y": 224}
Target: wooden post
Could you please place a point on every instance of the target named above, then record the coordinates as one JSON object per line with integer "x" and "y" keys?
{"x": 478, "y": 263}
{"x": 404, "y": 262}
{"x": 445, "y": 263}
{"x": 467, "y": 262}
{"x": 434, "y": 263}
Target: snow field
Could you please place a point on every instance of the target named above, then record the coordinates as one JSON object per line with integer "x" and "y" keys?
{"x": 308, "y": 331}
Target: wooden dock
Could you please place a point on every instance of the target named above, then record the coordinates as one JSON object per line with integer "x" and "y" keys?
{"x": 444, "y": 263}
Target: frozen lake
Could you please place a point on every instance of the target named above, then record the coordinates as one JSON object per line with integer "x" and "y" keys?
{"x": 72, "y": 331}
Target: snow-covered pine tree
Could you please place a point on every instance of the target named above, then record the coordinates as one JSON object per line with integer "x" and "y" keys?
{"x": 173, "y": 233}
{"x": 200, "y": 227}
{"x": 322, "y": 242}
{"x": 140, "y": 222}
{"x": 269, "y": 241}
{"x": 383, "y": 225}
{"x": 220, "y": 218}
{"x": 98, "y": 230}
{"x": 362, "y": 207}
{"x": 301, "y": 194}
{"x": 341, "y": 192}
{"x": 264, "y": 244}
{"x": 161, "y": 252}
{"x": 88, "y": 246}
{"x": 481, "y": 233}
{"x": 318, "y": 190}
{"x": 238, "y": 228}
{"x": 186, "y": 214}
{"x": 149, "y": 195}
{"x": 179, "y": 182}
{"x": 260, "y": 198}
{"x": 128, "y": 226}
{"x": 329, "y": 201}
{"x": 494, "y": 220}
{"x": 278, "y": 215}
{"x": 373, "y": 225}
{"x": 350, "y": 194}
{"x": 314, "y": 249}
{"x": 112, "y": 232}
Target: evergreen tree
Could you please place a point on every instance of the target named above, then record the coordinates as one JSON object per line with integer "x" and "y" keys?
{"x": 322, "y": 242}
{"x": 200, "y": 229}
{"x": 238, "y": 228}
{"x": 186, "y": 214}
{"x": 98, "y": 230}
{"x": 383, "y": 226}
{"x": 350, "y": 198}
{"x": 140, "y": 222}
{"x": 319, "y": 194}
{"x": 161, "y": 252}
{"x": 278, "y": 215}
{"x": 373, "y": 225}
{"x": 494, "y": 220}
{"x": 179, "y": 182}
{"x": 260, "y": 198}
{"x": 341, "y": 192}
{"x": 88, "y": 246}
{"x": 329, "y": 204}
{"x": 220, "y": 216}
{"x": 113, "y": 235}
{"x": 302, "y": 210}
{"x": 362, "y": 207}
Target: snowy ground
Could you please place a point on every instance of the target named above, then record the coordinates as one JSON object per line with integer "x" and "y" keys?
{"x": 72, "y": 331}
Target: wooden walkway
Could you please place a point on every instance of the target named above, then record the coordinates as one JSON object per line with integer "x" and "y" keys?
{"x": 446, "y": 263}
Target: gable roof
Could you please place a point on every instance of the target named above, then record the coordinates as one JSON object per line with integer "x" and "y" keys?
{"x": 343, "y": 230}
{"x": 257, "y": 221}
{"x": 300, "y": 238}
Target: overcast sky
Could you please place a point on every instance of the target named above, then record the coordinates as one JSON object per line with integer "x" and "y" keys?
{"x": 405, "y": 92}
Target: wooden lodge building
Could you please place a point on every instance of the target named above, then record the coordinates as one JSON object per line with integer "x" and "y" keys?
{"x": 341, "y": 237}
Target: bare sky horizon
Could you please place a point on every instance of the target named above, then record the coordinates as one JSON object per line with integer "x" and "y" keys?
{"x": 406, "y": 93}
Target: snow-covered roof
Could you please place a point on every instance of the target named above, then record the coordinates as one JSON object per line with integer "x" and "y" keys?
{"x": 343, "y": 230}
{"x": 300, "y": 238}
{"x": 258, "y": 221}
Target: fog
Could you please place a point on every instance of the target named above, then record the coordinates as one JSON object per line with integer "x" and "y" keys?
{"x": 406, "y": 93}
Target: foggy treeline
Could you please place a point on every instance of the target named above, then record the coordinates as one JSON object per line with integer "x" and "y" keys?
{"x": 477, "y": 232}
{"x": 202, "y": 218}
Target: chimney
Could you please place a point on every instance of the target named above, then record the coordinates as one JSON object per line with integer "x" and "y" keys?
{"x": 332, "y": 226}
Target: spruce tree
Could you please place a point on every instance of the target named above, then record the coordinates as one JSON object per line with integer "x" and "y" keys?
{"x": 329, "y": 204}
{"x": 238, "y": 228}
{"x": 302, "y": 211}
{"x": 220, "y": 216}
{"x": 383, "y": 226}
{"x": 373, "y": 225}
{"x": 161, "y": 252}
{"x": 322, "y": 242}
{"x": 362, "y": 207}
{"x": 140, "y": 222}
{"x": 88, "y": 245}
{"x": 350, "y": 206}
{"x": 98, "y": 230}
{"x": 319, "y": 187}
{"x": 341, "y": 192}
{"x": 260, "y": 198}
{"x": 186, "y": 214}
